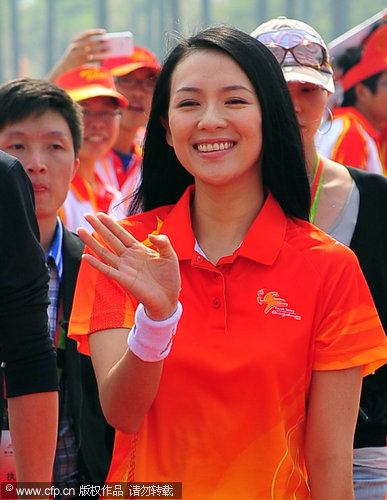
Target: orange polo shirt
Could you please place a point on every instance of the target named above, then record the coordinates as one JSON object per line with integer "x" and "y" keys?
{"x": 228, "y": 420}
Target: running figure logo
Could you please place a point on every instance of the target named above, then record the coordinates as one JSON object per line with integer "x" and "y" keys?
{"x": 275, "y": 304}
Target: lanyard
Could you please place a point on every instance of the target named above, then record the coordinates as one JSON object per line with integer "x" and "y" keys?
{"x": 83, "y": 192}
{"x": 318, "y": 175}
{"x": 60, "y": 339}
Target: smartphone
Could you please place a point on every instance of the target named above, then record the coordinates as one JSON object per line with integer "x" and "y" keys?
{"x": 120, "y": 43}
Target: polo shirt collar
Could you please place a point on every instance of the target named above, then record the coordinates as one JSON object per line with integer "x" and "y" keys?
{"x": 177, "y": 226}
{"x": 263, "y": 241}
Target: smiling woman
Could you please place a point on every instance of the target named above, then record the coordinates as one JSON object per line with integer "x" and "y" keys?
{"x": 217, "y": 319}
{"x": 214, "y": 124}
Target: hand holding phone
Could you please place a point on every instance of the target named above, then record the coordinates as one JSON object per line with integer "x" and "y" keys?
{"x": 92, "y": 47}
{"x": 119, "y": 44}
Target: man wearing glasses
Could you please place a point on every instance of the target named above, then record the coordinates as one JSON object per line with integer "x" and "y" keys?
{"x": 93, "y": 88}
{"x": 135, "y": 77}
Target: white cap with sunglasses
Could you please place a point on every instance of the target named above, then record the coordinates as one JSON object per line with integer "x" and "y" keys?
{"x": 299, "y": 49}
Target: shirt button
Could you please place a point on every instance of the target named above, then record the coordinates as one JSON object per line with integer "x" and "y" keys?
{"x": 216, "y": 303}
{"x": 199, "y": 258}
{"x": 216, "y": 276}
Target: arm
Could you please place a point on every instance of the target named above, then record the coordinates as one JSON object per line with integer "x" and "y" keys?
{"x": 34, "y": 434}
{"x": 126, "y": 383}
{"x": 25, "y": 344}
{"x": 331, "y": 418}
{"x": 82, "y": 49}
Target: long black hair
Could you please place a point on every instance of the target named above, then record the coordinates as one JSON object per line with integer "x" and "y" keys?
{"x": 283, "y": 166}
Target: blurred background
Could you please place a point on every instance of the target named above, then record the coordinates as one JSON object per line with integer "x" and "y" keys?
{"x": 35, "y": 33}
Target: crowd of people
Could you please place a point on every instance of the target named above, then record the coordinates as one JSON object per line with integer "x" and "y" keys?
{"x": 356, "y": 136}
{"x": 207, "y": 302}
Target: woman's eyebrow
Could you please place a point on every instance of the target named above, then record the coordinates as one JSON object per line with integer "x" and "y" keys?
{"x": 225, "y": 89}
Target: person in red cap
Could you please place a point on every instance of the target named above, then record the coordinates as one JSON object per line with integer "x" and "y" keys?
{"x": 135, "y": 77}
{"x": 354, "y": 139}
{"x": 93, "y": 87}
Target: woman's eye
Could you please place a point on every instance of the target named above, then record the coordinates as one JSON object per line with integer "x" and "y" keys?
{"x": 235, "y": 100}
{"x": 186, "y": 104}
{"x": 309, "y": 89}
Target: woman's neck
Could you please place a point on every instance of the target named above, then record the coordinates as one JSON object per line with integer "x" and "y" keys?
{"x": 311, "y": 158}
{"x": 336, "y": 184}
{"x": 222, "y": 217}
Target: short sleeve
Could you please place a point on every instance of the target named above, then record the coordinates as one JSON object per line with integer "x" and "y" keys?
{"x": 349, "y": 332}
{"x": 99, "y": 304}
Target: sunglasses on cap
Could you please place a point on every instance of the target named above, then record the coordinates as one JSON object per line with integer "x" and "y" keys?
{"x": 305, "y": 50}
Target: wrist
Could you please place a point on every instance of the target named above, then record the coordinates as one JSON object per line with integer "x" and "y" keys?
{"x": 151, "y": 339}
{"x": 162, "y": 315}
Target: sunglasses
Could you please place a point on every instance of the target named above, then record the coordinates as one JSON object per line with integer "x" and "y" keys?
{"x": 306, "y": 53}
{"x": 304, "y": 48}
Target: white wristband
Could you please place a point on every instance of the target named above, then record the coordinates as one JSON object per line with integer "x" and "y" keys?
{"x": 151, "y": 340}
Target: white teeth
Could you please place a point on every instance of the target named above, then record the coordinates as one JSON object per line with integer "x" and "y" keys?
{"x": 205, "y": 148}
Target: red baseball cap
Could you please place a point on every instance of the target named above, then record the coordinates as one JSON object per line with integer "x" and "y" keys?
{"x": 141, "y": 58}
{"x": 90, "y": 81}
{"x": 373, "y": 59}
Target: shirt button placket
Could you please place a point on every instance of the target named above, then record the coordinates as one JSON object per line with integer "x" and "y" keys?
{"x": 216, "y": 303}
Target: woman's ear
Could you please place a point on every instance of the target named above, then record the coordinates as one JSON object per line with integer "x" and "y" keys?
{"x": 165, "y": 124}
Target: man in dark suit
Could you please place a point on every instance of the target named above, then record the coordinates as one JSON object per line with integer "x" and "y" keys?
{"x": 42, "y": 126}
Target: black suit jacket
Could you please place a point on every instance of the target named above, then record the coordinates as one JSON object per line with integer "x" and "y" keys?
{"x": 95, "y": 437}
{"x": 369, "y": 242}
{"x": 25, "y": 343}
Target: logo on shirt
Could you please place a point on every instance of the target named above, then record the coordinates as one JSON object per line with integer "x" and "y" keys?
{"x": 275, "y": 304}
{"x": 156, "y": 231}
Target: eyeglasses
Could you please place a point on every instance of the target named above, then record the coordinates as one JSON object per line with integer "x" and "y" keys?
{"x": 105, "y": 115}
{"x": 306, "y": 53}
{"x": 127, "y": 82}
